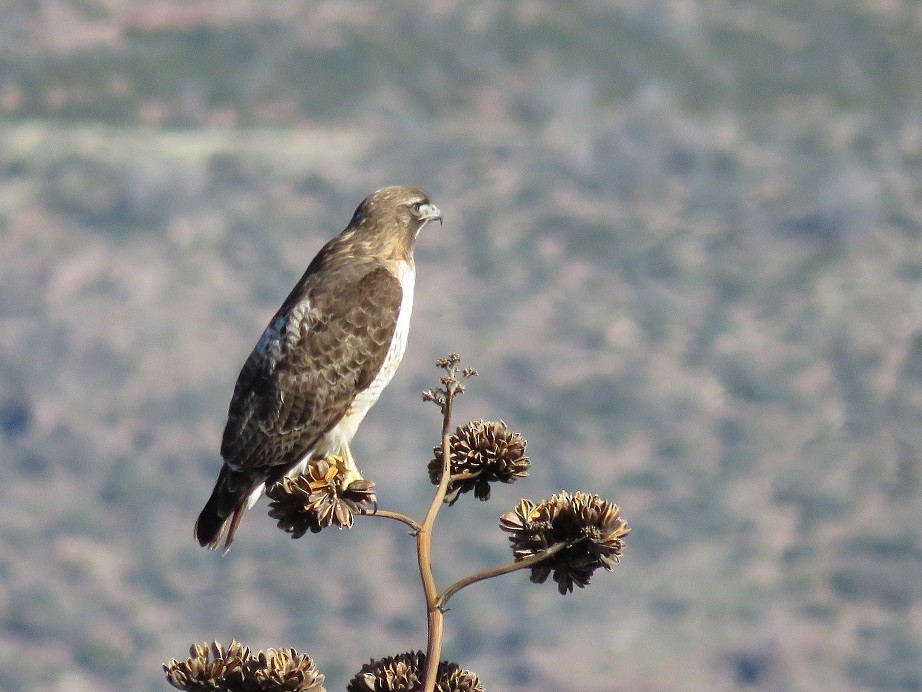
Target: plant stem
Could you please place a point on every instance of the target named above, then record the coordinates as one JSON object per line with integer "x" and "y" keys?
{"x": 435, "y": 617}
{"x": 397, "y": 516}
{"x": 464, "y": 476}
{"x": 442, "y": 600}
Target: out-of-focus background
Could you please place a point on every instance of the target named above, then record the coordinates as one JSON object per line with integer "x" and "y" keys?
{"x": 682, "y": 246}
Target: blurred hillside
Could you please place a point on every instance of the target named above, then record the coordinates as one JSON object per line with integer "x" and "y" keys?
{"x": 682, "y": 247}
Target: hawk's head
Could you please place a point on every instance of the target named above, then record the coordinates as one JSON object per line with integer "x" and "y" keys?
{"x": 394, "y": 216}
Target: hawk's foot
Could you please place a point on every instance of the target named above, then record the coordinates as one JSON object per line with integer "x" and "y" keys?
{"x": 322, "y": 496}
{"x": 345, "y": 464}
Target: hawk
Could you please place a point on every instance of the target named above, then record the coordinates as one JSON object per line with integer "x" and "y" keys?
{"x": 324, "y": 358}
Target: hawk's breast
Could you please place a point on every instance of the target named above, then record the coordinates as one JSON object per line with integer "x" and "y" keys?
{"x": 364, "y": 400}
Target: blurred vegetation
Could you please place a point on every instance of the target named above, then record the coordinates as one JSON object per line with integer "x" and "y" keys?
{"x": 682, "y": 238}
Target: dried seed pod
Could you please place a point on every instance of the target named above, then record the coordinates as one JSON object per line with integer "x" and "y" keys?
{"x": 482, "y": 452}
{"x": 234, "y": 669}
{"x": 590, "y": 529}
{"x": 404, "y": 673}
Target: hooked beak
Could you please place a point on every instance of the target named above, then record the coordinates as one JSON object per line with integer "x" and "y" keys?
{"x": 430, "y": 212}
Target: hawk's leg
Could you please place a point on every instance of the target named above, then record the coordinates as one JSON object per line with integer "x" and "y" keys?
{"x": 351, "y": 471}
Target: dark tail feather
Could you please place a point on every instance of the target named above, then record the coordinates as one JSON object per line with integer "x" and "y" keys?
{"x": 227, "y": 503}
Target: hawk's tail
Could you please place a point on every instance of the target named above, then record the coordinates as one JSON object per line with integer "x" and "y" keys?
{"x": 227, "y": 504}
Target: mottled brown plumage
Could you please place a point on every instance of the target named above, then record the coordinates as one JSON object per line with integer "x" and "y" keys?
{"x": 324, "y": 357}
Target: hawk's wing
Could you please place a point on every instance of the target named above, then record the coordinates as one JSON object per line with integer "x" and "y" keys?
{"x": 325, "y": 345}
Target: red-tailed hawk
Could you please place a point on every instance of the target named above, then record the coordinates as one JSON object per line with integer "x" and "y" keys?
{"x": 323, "y": 360}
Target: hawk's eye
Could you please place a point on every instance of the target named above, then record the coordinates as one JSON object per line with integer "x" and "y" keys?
{"x": 417, "y": 206}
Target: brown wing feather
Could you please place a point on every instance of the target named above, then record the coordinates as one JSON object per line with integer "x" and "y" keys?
{"x": 282, "y": 406}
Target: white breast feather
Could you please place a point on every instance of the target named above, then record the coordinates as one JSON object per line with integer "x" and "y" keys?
{"x": 346, "y": 428}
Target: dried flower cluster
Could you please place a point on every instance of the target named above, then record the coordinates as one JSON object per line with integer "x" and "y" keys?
{"x": 317, "y": 499}
{"x": 588, "y": 530}
{"x": 404, "y": 673}
{"x": 234, "y": 669}
{"x": 482, "y": 452}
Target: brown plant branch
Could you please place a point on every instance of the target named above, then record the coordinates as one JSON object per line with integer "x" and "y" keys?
{"x": 525, "y": 563}
{"x": 464, "y": 476}
{"x": 435, "y": 616}
{"x": 396, "y": 516}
